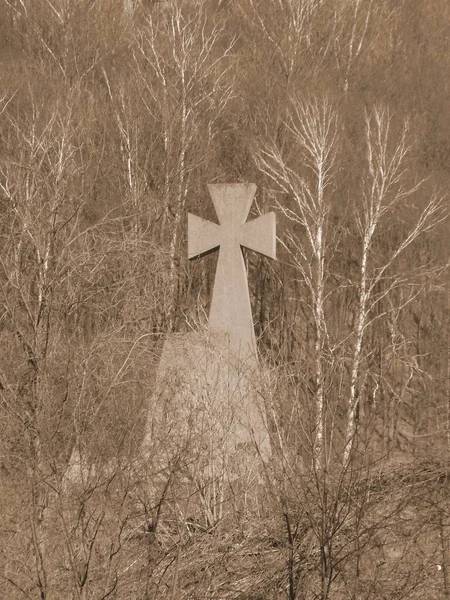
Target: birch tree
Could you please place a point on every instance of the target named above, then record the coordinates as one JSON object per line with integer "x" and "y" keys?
{"x": 313, "y": 127}
{"x": 387, "y": 187}
{"x": 352, "y": 36}
{"x": 183, "y": 61}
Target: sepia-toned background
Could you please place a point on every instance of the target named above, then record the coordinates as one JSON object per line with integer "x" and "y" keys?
{"x": 114, "y": 115}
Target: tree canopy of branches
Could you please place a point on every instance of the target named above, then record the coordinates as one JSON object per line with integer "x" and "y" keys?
{"x": 114, "y": 114}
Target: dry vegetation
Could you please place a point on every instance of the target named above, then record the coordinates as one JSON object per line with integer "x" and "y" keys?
{"x": 114, "y": 114}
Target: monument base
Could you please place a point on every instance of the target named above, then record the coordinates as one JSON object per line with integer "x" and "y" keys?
{"x": 207, "y": 395}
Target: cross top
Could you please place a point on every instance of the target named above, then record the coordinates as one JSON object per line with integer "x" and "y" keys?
{"x": 230, "y": 311}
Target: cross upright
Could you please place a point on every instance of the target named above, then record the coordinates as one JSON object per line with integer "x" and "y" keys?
{"x": 230, "y": 311}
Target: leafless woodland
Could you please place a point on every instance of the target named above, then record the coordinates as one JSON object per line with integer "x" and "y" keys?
{"x": 114, "y": 114}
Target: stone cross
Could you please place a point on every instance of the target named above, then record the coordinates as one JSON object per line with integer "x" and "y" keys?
{"x": 230, "y": 311}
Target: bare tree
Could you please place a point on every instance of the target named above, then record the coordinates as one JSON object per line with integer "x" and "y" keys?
{"x": 387, "y": 186}
{"x": 183, "y": 62}
{"x": 313, "y": 127}
{"x": 41, "y": 184}
{"x": 303, "y": 169}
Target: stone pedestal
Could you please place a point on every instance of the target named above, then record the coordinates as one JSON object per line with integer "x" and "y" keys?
{"x": 210, "y": 391}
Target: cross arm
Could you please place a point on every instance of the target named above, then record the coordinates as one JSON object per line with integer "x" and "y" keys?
{"x": 203, "y": 236}
{"x": 259, "y": 235}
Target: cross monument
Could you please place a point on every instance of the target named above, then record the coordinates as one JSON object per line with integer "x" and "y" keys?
{"x": 230, "y": 312}
{"x": 207, "y": 381}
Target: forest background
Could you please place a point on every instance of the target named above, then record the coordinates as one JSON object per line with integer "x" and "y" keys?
{"x": 114, "y": 115}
